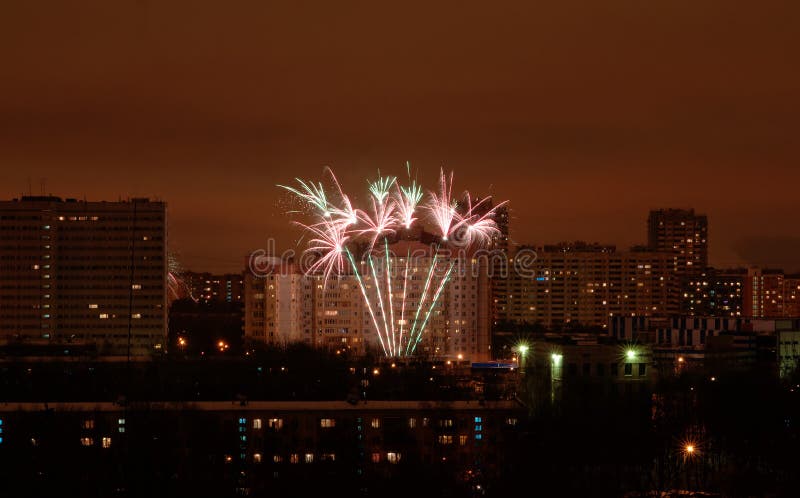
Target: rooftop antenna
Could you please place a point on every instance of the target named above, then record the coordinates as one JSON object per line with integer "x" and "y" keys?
{"x": 42, "y": 184}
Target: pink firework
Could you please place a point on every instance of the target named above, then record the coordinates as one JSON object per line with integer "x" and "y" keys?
{"x": 343, "y": 212}
{"x": 328, "y": 243}
{"x": 382, "y": 222}
{"x": 479, "y": 227}
{"x": 407, "y": 199}
{"x": 442, "y": 207}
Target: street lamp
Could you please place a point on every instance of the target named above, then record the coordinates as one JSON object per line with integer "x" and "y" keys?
{"x": 523, "y": 352}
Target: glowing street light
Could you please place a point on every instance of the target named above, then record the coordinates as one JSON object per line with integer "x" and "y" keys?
{"x": 556, "y": 359}
{"x": 630, "y": 354}
{"x": 182, "y": 342}
{"x": 522, "y": 348}
{"x": 689, "y": 448}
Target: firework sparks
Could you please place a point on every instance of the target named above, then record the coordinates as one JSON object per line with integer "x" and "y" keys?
{"x": 442, "y": 206}
{"x": 382, "y": 221}
{"x": 339, "y": 225}
{"x": 313, "y": 194}
{"x": 328, "y": 243}
{"x": 176, "y": 285}
{"x": 381, "y": 187}
{"x": 479, "y": 227}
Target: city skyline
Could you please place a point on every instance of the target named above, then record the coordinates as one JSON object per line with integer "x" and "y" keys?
{"x": 385, "y": 249}
{"x": 585, "y": 116}
{"x": 198, "y": 260}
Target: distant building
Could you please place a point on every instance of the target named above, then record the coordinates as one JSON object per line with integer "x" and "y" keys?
{"x": 715, "y": 293}
{"x": 498, "y": 264}
{"x": 771, "y": 294}
{"x": 585, "y": 284}
{"x": 564, "y": 359}
{"x": 83, "y": 274}
{"x": 208, "y": 287}
{"x": 287, "y": 306}
{"x": 682, "y": 233}
{"x": 712, "y": 344}
{"x": 789, "y": 353}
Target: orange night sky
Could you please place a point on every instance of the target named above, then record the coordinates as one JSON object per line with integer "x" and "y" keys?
{"x": 585, "y": 114}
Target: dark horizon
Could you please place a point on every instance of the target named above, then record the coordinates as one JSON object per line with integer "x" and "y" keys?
{"x": 585, "y": 116}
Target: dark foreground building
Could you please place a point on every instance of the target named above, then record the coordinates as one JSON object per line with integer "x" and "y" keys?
{"x": 293, "y": 448}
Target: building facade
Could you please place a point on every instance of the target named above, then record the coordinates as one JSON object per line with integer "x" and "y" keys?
{"x": 682, "y": 233}
{"x": 771, "y": 294}
{"x": 208, "y": 287}
{"x": 586, "y": 284}
{"x": 83, "y": 273}
{"x": 450, "y": 306}
{"x": 715, "y": 292}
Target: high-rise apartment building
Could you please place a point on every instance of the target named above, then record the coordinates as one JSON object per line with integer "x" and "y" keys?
{"x": 285, "y": 305}
{"x": 208, "y": 287}
{"x": 715, "y": 292}
{"x": 84, "y": 273}
{"x": 499, "y": 265}
{"x": 586, "y": 284}
{"x": 682, "y": 233}
{"x": 771, "y": 294}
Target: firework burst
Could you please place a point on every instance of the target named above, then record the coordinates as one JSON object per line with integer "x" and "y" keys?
{"x": 442, "y": 207}
{"x": 400, "y": 318}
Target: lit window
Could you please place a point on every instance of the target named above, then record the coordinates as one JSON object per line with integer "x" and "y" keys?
{"x": 478, "y": 420}
{"x": 328, "y": 457}
{"x": 446, "y": 422}
{"x": 445, "y": 439}
{"x": 106, "y": 442}
{"x": 309, "y": 458}
{"x": 92, "y": 306}
{"x": 294, "y": 458}
{"x": 275, "y": 423}
{"x": 103, "y": 316}
{"x": 277, "y": 458}
{"x": 462, "y": 440}
{"x": 375, "y": 423}
{"x": 256, "y": 423}
{"x": 86, "y": 441}
{"x": 136, "y": 286}
{"x": 511, "y": 421}
{"x": 256, "y": 457}
{"x": 412, "y": 423}
{"x": 393, "y": 457}
{"x": 88, "y": 424}
{"x": 327, "y": 422}
{"x": 376, "y": 458}
{"x": 478, "y": 436}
